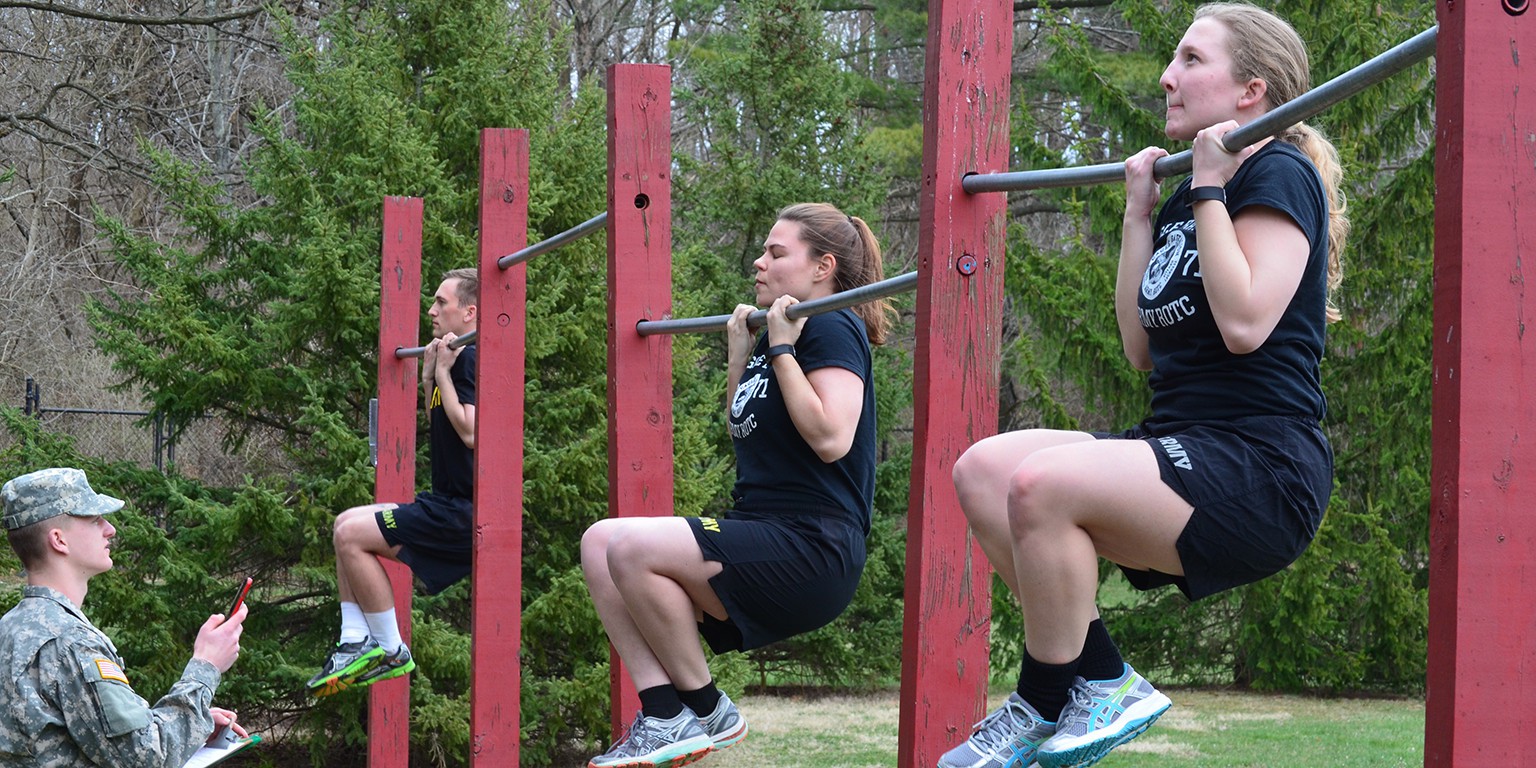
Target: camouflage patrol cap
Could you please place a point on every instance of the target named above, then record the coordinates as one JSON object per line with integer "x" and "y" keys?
{"x": 37, "y": 496}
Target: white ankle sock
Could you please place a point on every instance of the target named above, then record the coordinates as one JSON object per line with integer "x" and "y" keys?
{"x": 384, "y": 630}
{"x": 354, "y": 628}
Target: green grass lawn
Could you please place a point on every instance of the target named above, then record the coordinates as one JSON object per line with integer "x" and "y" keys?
{"x": 1204, "y": 729}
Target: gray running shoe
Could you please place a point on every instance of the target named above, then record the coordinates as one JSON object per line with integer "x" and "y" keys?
{"x": 655, "y": 743}
{"x": 343, "y": 667}
{"x": 1007, "y": 738}
{"x": 1101, "y": 715}
{"x": 388, "y": 666}
{"x": 725, "y": 725}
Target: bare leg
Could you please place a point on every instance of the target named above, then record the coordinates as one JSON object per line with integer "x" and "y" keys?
{"x": 983, "y": 476}
{"x": 1064, "y": 510}
{"x": 650, "y": 585}
{"x": 360, "y": 578}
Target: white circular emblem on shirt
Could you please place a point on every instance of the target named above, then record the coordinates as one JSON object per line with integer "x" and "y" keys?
{"x": 744, "y": 393}
{"x": 1163, "y": 264}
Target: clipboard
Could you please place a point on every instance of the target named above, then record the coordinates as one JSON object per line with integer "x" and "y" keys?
{"x": 222, "y": 749}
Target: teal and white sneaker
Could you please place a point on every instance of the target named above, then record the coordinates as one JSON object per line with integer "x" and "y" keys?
{"x": 1101, "y": 715}
{"x": 655, "y": 743}
{"x": 343, "y": 666}
{"x": 1007, "y": 738}
{"x": 725, "y": 725}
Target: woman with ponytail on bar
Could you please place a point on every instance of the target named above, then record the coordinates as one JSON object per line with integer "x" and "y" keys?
{"x": 1223, "y": 296}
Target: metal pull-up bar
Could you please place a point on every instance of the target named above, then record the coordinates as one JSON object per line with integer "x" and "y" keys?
{"x": 759, "y": 318}
{"x": 458, "y": 341}
{"x": 513, "y": 259}
{"x": 543, "y": 246}
{"x": 1313, "y": 102}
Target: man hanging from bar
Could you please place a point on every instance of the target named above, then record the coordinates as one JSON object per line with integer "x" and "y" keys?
{"x": 433, "y": 535}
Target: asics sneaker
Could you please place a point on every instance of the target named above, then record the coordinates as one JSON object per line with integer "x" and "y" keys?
{"x": 1101, "y": 715}
{"x": 725, "y": 725}
{"x": 655, "y": 743}
{"x": 1007, "y": 738}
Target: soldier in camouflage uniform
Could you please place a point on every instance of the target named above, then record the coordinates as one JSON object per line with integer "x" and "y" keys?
{"x": 64, "y": 697}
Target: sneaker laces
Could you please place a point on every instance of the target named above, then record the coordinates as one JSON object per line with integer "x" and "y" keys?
{"x": 636, "y": 727}
{"x": 991, "y": 737}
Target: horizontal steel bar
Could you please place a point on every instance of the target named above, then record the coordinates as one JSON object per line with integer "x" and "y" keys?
{"x": 1309, "y": 104}
{"x": 458, "y": 341}
{"x": 759, "y": 318}
{"x": 517, "y": 257}
{"x": 549, "y": 244}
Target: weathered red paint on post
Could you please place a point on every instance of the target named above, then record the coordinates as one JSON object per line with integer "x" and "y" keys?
{"x": 496, "y": 616}
{"x": 639, "y": 288}
{"x": 1482, "y": 584}
{"x": 389, "y": 702}
{"x": 955, "y": 374}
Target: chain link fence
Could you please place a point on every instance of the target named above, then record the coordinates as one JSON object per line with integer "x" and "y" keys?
{"x": 150, "y": 440}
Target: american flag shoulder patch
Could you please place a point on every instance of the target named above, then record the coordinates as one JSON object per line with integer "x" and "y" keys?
{"x": 110, "y": 670}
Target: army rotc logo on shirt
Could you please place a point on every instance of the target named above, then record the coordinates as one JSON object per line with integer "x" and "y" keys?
{"x": 1175, "y": 256}
{"x": 1164, "y": 263}
{"x": 756, "y": 386}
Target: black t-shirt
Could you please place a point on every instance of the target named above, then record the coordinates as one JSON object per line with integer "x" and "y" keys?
{"x": 453, "y": 463}
{"x": 776, "y": 470}
{"x": 1194, "y": 375}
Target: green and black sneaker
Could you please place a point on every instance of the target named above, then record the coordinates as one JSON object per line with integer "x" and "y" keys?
{"x": 389, "y": 665}
{"x": 343, "y": 667}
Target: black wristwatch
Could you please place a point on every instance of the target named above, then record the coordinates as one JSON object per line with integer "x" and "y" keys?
{"x": 781, "y": 349}
{"x": 1196, "y": 194}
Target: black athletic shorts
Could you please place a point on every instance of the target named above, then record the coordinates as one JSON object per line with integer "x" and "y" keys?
{"x": 785, "y": 574}
{"x": 436, "y": 536}
{"x": 1259, "y": 486}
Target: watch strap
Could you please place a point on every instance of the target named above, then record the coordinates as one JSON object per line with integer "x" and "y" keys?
{"x": 1196, "y": 194}
{"x": 781, "y": 349}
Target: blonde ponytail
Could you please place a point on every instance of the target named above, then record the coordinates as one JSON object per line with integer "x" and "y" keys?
{"x": 1264, "y": 46}
{"x": 1326, "y": 157}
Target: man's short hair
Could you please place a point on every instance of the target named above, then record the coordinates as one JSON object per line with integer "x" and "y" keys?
{"x": 30, "y": 543}
{"x": 468, "y": 289}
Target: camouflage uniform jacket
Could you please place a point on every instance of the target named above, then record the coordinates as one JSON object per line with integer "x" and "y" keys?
{"x": 65, "y": 701}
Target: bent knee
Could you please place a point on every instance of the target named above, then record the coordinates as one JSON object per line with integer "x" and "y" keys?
{"x": 627, "y": 551}
{"x": 969, "y": 468}
{"x": 355, "y": 528}
{"x": 651, "y": 545}
{"x": 982, "y": 468}
{"x": 1033, "y": 490}
{"x": 594, "y": 541}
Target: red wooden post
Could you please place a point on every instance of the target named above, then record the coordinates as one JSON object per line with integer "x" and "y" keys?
{"x": 1482, "y": 528}
{"x": 496, "y": 613}
{"x": 639, "y": 288}
{"x": 959, "y": 312}
{"x": 389, "y": 702}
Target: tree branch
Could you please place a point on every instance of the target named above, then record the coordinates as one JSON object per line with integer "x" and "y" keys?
{"x": 1019, "y": 6}
{"x": 48, "y": 6}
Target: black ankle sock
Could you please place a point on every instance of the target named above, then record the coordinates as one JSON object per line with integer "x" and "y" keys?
{"x": 1045, "y": 686}
{"x": 661, "y": 702}
{"x": 1101, "y": 659}
{"x": 702, "y": 700}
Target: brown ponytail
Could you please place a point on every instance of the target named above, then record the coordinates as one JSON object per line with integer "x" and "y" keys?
{"x": 828, "y": 230}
